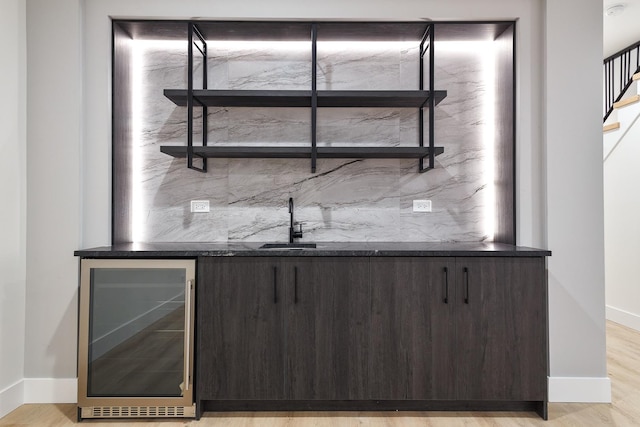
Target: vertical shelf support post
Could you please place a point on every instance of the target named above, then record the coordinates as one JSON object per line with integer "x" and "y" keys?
{"x": 432, "y": 97}
{"x": 427, "y": 38}
{"x": 314, "y": 95}
{"x": 193, "y": 30}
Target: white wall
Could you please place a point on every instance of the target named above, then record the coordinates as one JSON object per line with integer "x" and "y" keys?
{"x": 568, "y": 221}
{"x": 12, "y": 193}
{"x": 622, "y": 210}
{"x": 96, "y": 201}
{"x": 574, "y": 205}
{"x": 54, "y": 77}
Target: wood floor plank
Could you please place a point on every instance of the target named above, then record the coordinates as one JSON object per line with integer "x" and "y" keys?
{"x": 623, "y": 359}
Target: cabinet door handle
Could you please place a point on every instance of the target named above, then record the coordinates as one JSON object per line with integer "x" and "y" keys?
{"x": 295, "y": 285}
{"x": 446, "y": 285}
{"x": 466, "y": 281}
{"x": 275, "y": 285}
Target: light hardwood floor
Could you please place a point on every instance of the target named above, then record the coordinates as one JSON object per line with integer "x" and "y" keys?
{"x": 623, "y": 355}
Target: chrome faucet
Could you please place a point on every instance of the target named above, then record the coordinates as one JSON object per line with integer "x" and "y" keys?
{"x": 293, "y": 234}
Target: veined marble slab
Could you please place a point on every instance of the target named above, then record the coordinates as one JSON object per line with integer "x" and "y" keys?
{"x": 346, "y": 199}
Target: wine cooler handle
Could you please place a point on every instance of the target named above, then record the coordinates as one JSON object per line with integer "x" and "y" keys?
{"x": 187, "y": 333}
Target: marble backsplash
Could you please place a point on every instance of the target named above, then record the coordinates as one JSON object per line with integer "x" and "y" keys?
{"x": 346, "y": 199}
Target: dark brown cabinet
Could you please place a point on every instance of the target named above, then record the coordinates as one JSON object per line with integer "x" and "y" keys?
{"x": 292, "y": 328}
{"x": 433, "y": 332}
{"x": 469, "y": 329}
{"x": 501, "y": 329}
{"x": 327, "y": 328}
{"x": 412, "y": 337}
{"x": 239, "y": 330}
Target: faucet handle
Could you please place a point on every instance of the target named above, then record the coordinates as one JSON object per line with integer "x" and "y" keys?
{"x": 297, "y": 233}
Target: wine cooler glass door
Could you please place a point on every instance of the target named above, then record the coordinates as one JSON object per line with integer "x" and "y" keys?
{"x": 137, "y": 317}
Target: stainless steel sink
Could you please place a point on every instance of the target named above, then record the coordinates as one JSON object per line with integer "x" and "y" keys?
{"x": 288, "y": 246}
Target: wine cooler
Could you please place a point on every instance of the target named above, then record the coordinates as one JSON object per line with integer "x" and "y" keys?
{"x": 135, "y": 344}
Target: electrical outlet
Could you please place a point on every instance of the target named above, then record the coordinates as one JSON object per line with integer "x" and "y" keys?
{"x": 422, "y": 205}
{"x": 199, "y": 206}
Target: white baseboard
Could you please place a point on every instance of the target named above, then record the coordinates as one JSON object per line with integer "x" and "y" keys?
{"x": 625, "y": 318}
{"x": 50, "y": 390}
{"x": 11, "y": 397}
{"x": 579, "y": 390}
{"x": 64, "y": 390}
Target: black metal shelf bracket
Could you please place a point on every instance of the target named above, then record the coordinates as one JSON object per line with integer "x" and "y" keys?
{"x": 201, "y": 99}
{"x": 201, "y": 45}
{"x": 314, "y": 95}
{"x": 428, "y": 39}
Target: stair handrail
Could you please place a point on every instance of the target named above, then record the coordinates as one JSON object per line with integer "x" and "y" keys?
{"x": 619, "y": 68}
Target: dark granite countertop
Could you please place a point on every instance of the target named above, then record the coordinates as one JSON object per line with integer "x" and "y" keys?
{"x": 335, "y": 249}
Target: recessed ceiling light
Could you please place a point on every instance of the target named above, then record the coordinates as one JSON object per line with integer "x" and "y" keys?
{"x": 615, "y": 9}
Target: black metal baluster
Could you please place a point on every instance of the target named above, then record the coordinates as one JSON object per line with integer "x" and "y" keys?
{"x": 610, "y": 81}
{"x": 611, "y": 85}
{"x": 619, "y": 68}
{"x": 611, "y": 89}
{"x": 606, "y": 89}
{"x": 620, "y": 74}
{"x": 626, "y": 67}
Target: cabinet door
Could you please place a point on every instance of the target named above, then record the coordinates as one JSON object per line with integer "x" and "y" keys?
{"x": 327, "y": 305}
{"x": 240, "y": 326}
{"x": 412, "y": 332}
{"x": 500, "y": 327}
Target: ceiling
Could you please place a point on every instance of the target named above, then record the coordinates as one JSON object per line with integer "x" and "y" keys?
{"x": 621, "y": 30}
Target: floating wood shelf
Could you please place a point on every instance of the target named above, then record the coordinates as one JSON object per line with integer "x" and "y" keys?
{"x": 302, "y": 98}
{"x": 377, "y": 152}
{"x": 302, "y": 152}
{"x": 242, "y": 98}
{"x": 378, "y": 98}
